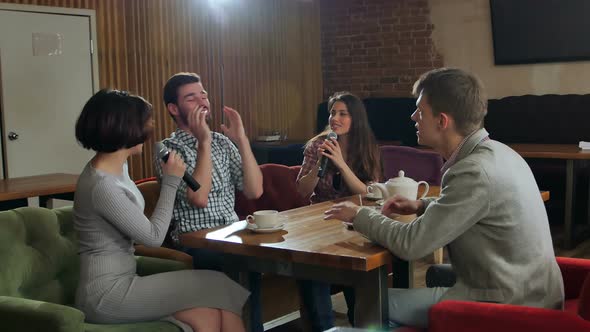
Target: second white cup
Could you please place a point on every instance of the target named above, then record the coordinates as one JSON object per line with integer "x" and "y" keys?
{"x": 264, "y": 218}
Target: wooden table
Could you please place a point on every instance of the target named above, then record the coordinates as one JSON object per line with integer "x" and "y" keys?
{"x": 573, "y": 156}
{"x": 56, "y": 185}
{"x": 310, "y": 247}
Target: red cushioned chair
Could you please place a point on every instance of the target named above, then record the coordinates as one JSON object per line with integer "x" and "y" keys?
{"x": 459, "y": 316}
{"x": 280, "y": 191}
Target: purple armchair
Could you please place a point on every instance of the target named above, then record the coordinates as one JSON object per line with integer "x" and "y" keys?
{"x": 420, "y": 165}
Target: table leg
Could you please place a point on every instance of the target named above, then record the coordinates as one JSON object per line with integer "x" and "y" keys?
{"x": 401, "y": 273}
{"x": 568, "y": 242}
{"x": 13, "y": 204}
{"x": 371, "y": 308}
{"x": 243, "y": 278}
{"x": 438, "y": 256}
{"x": 304, "y": 313}
{"x": 44, "y": 200}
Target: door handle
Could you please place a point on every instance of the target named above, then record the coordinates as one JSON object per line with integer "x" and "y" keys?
{"x": 12, "y": 136}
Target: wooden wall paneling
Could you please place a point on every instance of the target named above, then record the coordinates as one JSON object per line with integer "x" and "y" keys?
{"x": 270, "y": 50}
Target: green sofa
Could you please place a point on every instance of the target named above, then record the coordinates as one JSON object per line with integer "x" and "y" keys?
{"x": 39, "y": 269}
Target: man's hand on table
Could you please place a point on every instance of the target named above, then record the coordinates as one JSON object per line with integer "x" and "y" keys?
{"x": 345, "y": 211}
{"x": 399, "y": 205}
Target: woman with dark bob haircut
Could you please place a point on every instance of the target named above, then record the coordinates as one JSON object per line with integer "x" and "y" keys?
{"x": 108, "y": 216}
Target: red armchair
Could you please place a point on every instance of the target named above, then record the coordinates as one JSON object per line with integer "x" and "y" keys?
{"x": 280, "y": 191}
{"x": 459, "y": 316}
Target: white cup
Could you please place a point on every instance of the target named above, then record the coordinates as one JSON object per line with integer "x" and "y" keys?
{"x": 264, "y": 218}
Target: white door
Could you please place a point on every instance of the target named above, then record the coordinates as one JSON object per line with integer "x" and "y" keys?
{"x": 46, "y": 77}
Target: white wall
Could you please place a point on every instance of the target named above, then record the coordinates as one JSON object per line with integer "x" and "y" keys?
{"x": 463, "y": 36}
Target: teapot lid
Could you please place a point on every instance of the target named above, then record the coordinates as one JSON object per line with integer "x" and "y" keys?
{"x": 402, "y": 179}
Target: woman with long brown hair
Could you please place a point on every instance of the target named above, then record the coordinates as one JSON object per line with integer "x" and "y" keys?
{"x": 354, "y": 163}
{"x": 354, "y": 155}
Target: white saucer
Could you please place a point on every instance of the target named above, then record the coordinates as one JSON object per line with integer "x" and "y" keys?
{"x": 373, "y": 197}
{"x": 255, "y": 228}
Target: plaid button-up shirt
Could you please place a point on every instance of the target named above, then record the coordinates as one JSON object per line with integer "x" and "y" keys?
{"x": 324, "y": 190}
{"x": 227, "y": 175}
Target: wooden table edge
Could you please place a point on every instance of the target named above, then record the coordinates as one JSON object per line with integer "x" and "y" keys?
{"x": 20, "y": 194}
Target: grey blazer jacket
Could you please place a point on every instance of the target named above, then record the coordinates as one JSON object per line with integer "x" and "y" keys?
{"x": 491, "y": 217}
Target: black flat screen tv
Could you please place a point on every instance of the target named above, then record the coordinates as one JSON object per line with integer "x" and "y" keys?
{"x": 530, "y": 31}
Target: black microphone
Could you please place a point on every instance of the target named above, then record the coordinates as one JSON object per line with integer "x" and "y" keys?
{"x": 324, "y": 161}
{"x": 163, "y": 153}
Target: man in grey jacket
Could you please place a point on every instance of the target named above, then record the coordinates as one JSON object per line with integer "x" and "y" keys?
{"x": 489, "y": 213}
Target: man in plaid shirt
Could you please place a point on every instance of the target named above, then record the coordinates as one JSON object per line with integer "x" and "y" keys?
{"x": 215, "y": 162}
{"x": 219, "y": 163}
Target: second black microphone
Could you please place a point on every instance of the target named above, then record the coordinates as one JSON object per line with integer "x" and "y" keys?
{"x": 324, "y": 161}
{"x": 163, "y": 153}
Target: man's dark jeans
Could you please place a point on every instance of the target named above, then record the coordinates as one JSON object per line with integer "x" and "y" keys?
{"x": 315, "y": 295}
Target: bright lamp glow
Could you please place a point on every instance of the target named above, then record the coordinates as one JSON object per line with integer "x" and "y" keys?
{"x": 218, "y": 9}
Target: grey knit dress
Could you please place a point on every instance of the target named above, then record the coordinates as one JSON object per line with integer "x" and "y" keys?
{"x": 108, "y": 216}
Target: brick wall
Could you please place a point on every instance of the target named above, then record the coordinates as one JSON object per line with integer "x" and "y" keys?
{"x": 376, "y": 48}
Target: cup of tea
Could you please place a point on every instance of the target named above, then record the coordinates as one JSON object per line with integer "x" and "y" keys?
{"x": 264, "y": 218}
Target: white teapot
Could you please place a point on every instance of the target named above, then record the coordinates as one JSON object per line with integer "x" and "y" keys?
{"x": 400, "y": 185}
